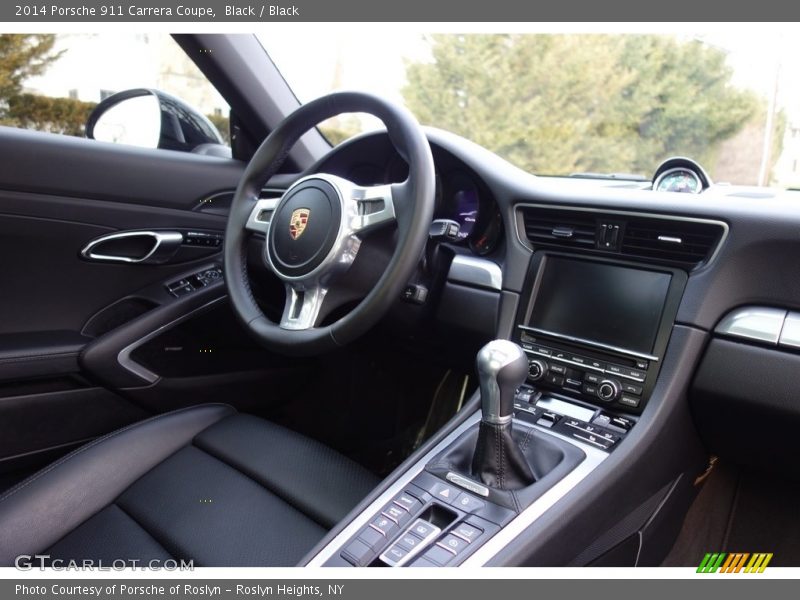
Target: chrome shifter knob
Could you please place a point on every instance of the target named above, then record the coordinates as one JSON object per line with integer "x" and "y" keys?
{"x": 502, "y": 367}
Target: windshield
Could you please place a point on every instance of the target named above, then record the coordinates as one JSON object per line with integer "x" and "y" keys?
{"x": 568, "y": 104}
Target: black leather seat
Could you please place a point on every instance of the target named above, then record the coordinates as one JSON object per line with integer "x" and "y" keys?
{"x": 205, "y": 484}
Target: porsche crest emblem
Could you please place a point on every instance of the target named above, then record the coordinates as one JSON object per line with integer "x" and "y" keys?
{"x": 298, "y": 222}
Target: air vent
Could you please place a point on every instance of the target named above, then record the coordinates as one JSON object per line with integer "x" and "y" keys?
{"x": 559, "y": 228}
{"x": 684, "y": 243}
{"x": 671, "y": 241}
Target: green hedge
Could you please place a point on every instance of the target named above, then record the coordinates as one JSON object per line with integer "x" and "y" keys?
{"x": 43, "y": 113}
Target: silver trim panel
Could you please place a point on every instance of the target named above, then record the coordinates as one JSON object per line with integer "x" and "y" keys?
{"x": 416, "y": 550}
{"x": 479, "y": 272}
{"x": 578, "y": 340}
{"x": 467, "y": 484}
{"x": 124, "y": 356}
{"x": 670, "y": 239}
{"x": 594, "y": 457}
{"x": 165, "y": 243}
{"x": 363, "y": 208}
{"x": 754, "y": 323}
{"x": 257, "y": 220}
{"x": 584, "y": 366}
{"x": 790, "y": 336}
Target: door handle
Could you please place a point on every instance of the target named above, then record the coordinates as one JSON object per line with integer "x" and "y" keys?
{"x": 134, "y": 247}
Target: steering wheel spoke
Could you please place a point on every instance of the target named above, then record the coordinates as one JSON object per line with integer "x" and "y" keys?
{"x": 375, "y": 207}
{"x": 261, "y": 215}
{"x": 303, "y": 304}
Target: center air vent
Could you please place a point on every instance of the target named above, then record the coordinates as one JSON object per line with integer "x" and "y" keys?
{"x": 682, "y": 242}
{"x": 556, "y": 228}
{"x": 672, "y": 241}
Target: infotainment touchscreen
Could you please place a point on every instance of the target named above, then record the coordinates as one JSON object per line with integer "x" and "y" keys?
{"x": 608, "y": 304}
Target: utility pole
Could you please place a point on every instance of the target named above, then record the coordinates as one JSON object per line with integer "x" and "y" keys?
{"x": 769, "y": 130}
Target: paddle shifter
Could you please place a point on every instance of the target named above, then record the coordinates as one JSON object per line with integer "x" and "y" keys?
{"x": 498, "y": 460}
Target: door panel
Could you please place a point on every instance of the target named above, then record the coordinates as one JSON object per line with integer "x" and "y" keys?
{"x": 65, "y": 319}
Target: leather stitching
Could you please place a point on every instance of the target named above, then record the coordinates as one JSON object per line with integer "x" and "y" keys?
{"x": 82, "y": 449}
{"x": 526, "y": 440}
{"x": 501, "y": 457}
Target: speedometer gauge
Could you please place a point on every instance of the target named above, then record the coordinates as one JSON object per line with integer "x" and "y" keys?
{"x": 463, "y": 202}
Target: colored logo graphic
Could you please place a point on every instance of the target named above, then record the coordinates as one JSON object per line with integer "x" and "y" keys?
{"x": 736, "y": 562}
{"x": 298, "y": 222}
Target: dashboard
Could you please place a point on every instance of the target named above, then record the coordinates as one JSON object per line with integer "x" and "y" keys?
{"x": 660, "y": 319}
{"x": 729, "y": 248}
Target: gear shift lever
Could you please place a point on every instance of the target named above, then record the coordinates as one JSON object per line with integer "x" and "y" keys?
{"x": 498, "y": 460}
{"x": 502, "y": 368}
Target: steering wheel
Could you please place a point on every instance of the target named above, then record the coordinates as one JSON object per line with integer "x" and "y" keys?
{"x": 314, "y": 231}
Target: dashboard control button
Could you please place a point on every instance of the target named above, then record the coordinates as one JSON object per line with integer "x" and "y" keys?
{"x": 632, "y": 388}
{"x": 444, "y": 492}
{"x": 372, "y": 538}
{"x": 396, "y": 514}
{"x": 602, "y": 420}
{"x": 394, "y": 554}
{"x": 554, "y": 379}
{"x": 642, "y": 364}
{"x": 537, "y": 369}
{"x": 589, "y": 389}
{"x": 424, "y": 563}
{"x": 524, "y": 394}
{"x": 622, "y": 423}
{"x": 616, "y": 369}
{"x": 631, "y": 401}
{"x": 451, "y": 542}
{"x": 407, "y": 502}
{"x": 636, "y": 374}
{"x": 593, "y": 378}
{"x": 383, "y": 524}
{"x": 592, "y": 439}
{"x": 422, "y": 528}
{"x": 358, "y": 553}
{"x": 608, "y": 390}
{"x": 468, "y": 503}
{"x": 409, "y": 541}
{"x": 467, "y": 532}
{"x": 560, "y": 369}
{"x": 440, "y": 556}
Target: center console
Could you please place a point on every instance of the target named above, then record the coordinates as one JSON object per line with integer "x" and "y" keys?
{"x": 556, "y": 401}
{"x": 595, "y": 331}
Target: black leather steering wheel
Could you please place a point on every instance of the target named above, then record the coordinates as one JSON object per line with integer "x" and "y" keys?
{"x": 314, "y": 230}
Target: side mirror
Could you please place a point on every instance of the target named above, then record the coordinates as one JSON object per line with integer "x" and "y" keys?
{"x": 153, "y": 119}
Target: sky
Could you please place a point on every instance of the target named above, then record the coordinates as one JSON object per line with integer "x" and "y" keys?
{"x": 374, "y": 58}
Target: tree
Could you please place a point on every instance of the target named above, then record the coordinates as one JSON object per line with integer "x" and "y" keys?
{"x": 557, "y": 104}
{"x": 54, "y": 115}
{"x": 23, "y": 56}
{"x": 223, "y": 125}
